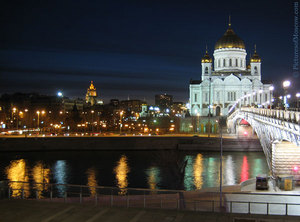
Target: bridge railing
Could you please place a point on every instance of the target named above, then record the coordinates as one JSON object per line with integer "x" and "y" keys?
{"x": 290, "y": 116}
{"x": 147, "y": 198}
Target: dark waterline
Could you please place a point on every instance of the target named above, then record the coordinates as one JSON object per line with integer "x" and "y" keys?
{"x": 135, "y": 169}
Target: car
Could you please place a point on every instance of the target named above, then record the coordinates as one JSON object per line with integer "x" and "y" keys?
{"x": 262, "y": 182}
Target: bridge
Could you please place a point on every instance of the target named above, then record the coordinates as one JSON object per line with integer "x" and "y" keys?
{"x": 279, "y": 135}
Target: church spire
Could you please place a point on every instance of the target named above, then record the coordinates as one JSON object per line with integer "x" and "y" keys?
{"x": 254, "y": 48}
{"x": 229, "y": 22}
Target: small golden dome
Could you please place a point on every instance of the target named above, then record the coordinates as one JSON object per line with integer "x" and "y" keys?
{"x": 255, "y": 57}
{"x": 230, "y": 40}
{"x": 206, "y": 58}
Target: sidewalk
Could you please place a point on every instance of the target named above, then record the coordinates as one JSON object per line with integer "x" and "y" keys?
{"x": 36, "y": 211}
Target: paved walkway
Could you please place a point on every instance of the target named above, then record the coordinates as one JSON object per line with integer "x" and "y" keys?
{"x": 33, "y": 210}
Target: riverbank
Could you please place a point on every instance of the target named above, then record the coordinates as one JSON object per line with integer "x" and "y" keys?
{"x": 127, "y": 143}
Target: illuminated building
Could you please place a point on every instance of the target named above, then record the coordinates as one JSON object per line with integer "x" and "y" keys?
{"x": 91, "y": 95}
{"x": 228, "y": 80}
{"x": 163, "y": 101}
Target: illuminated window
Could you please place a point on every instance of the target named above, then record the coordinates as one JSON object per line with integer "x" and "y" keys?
{"x": 231, "y": 96}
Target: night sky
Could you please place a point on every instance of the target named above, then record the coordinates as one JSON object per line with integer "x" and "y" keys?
{"x": 133, "y": 48}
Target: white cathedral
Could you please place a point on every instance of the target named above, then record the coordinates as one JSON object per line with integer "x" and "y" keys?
{"x": 231, "y": 79}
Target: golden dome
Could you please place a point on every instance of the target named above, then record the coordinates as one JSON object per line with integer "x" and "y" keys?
{"x": 255, "y": 57}
{"x": 230, "y": 40}
{"x": 206, "y": 58}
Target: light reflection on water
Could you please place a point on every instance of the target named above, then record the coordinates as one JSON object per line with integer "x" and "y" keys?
{"x": 229, "y": 171}
{"x": 245, "y": 170}
{"x": 153, "y": 178}
{"x": 198, "y": 168}
{"x": 92, "y": 180}
{"x": 60, "y": 175}
{"x": 17, "y": 171}
{"x": 129, "y": 169}
{"x": 41, "y": 176}
{"x": 121, "y": 171}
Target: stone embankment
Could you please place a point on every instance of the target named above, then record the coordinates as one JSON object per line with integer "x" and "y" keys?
{"x": 127, "y": 143}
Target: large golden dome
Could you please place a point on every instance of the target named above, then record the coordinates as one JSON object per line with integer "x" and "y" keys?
{"x": 230, "y": 40}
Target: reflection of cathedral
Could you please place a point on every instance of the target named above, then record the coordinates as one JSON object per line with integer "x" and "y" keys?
{"x": 230, "y": 80}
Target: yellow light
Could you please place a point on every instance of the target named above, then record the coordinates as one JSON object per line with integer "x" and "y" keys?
{"x": 38, "y": 112}
{"x": 121, "y": 171}
{"x": 43, "y": 112}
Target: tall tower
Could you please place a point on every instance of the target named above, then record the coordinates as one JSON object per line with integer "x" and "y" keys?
{"x": 206, "y": 63}
{"x": 255, "y": 63}
{"x": 91, "y": 94}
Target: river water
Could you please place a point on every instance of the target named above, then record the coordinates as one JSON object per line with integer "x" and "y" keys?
{"x": 135, "y": 169}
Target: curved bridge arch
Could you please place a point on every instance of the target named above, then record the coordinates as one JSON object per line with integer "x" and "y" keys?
{"x": 270, "y": 126}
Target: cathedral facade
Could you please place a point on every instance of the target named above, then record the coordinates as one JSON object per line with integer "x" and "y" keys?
{"x": 227, "y": 79}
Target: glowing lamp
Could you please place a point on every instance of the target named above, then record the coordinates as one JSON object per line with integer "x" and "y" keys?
{"x": 295, "y": 168}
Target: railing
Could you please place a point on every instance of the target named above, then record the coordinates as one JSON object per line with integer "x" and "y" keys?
{"x": 290, "y": 116}
{"x": 146, "y": 198}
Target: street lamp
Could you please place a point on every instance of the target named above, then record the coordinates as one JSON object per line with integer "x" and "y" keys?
{"x": 297, "y": 96}
{"x": 121, "y": 114}
{"x": 286, "y": 84}
{"x": 92, "y": 120}
{"x": 271, "y": 89}
{"x": 38, "y": 120}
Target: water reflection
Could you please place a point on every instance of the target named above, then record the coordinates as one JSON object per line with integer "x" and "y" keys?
{"x": 60, "y": 175}
{"x": 153, "y": 177}
{"x": 41, "y": 177}
{"x": 92, "y": 181}
{"x": 17, "y": 171}
{"x": 229, "y": 171}
{"x": 245, "y": 170}
{"x": 121, "y": 171}
{"x": 189, "y": 173}
{"x": 198, "y": 168}
{"x": 212, "y": 173}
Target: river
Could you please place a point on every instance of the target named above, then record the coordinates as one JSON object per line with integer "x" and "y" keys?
{"x": 135, "y": 169}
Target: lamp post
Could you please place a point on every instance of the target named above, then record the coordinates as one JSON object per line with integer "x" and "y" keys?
{"x": 271, "y": 89}
{"x": 297, "y": 97}
{"x": 92, "y": 120}
{"x": 121, "y": 114}
{"x": 286, "y": 84}
{"x": 38, "y": 120}
{"x": 209, "y": 99}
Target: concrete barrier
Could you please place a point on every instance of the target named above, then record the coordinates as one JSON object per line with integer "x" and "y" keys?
{"x": 127, "y": 143}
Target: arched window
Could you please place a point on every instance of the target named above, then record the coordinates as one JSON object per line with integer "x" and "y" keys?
{"x": 219, "y": 62}
{"x": 230, "y": 62}
{"x": 224, "y": 63}
{"x": 236, "y": 63}
{"x": 255, "y": 69}
{"x": 206, "y": 70}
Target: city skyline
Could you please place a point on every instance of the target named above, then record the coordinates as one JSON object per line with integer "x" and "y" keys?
{"x": 133, "y": 49}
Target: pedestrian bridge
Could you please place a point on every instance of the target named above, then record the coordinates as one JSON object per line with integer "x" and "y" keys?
{"x": 278, "y": 132}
